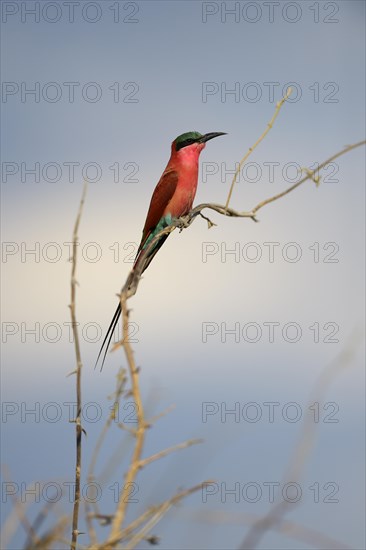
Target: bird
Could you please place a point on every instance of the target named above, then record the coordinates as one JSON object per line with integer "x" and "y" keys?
{"x": 172, "y": 198}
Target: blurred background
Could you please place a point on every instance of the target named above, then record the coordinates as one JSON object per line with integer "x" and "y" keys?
{"x": 243, "y": 317}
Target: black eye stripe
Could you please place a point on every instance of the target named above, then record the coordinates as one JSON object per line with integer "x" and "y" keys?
{"x": 185, "y": 143}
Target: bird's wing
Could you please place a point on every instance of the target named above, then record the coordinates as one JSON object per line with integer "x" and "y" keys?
{"x": 163, "y": 193}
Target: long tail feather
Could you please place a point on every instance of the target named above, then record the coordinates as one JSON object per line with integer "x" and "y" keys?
{"x": 109, "y": 335}
{"x": 113, "y": 324}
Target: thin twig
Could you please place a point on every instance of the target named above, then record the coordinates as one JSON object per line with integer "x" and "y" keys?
{"x": 161, "y": 414}
{"x": 78, "y": 427}
{"x": 51, "y": 536}
{"x": 18, "y": 516}
{"x": 251, "y": 214}
{"x": 309, "y": 175}
{"x": 302, "y": 451}
{"x": 120, "y": 385}
{"x": 167, "y": 451}
{"x": 251, "y": 149}
{"x": 158, "y": 511}
{"x": 39, "y": 519}
{"x": 286, "y": 527}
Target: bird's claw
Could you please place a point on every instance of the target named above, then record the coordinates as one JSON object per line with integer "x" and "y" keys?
{"x": 180, "y": 223}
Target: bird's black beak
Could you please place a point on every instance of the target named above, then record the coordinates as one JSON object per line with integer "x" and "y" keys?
{"x": 211, "y": 135}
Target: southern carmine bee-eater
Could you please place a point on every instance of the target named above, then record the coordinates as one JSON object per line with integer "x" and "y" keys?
{"x": 172, "y": 198}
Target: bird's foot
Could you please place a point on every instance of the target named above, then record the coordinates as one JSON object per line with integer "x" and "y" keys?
{"x": 180, "y": 223}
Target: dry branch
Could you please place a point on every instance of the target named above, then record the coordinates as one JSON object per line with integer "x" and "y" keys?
{"x": 152, "y": 516}
{"x": 251, "y": 149}
{"x": 297, "y": 462}
{"x": 121, "y": 382}
{"x": 169, "y": 450}
{"x": 78, "y": 426}
{"x": 17, "y": 517}
{"x": 141, "y": 426}
{"x": 285, "y": 527}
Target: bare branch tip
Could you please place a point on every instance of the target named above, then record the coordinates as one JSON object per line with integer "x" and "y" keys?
{"x": 71, "y": 373}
